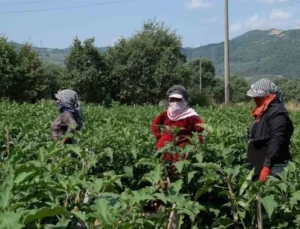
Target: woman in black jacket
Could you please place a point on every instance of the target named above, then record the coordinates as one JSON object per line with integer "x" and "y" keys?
{"x": 270, "y": 133}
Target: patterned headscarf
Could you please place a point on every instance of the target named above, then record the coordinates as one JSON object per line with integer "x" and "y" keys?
{"x": 264, "y": 87}
{"x": 69, "y": 100}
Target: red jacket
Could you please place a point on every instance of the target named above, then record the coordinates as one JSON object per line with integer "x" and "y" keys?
{"x": 189, "y": 125}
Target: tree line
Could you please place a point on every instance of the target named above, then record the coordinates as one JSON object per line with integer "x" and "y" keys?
{"x": 136, "y": 70}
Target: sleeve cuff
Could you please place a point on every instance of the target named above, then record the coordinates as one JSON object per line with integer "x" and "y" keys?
{"x": 267, "y": 163}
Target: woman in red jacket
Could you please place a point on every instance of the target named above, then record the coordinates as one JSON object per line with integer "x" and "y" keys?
{"x": 178, "y": 115}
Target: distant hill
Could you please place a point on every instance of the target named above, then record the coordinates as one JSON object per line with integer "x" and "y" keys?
{"x": 258, "y": 52}
{"x": 267, "y": 53}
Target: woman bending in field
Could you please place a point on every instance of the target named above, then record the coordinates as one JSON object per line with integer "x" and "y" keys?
{"x": 270, "y": 133}
{"x": 70, "y": 119}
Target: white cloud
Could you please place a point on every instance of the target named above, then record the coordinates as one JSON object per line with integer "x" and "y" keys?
{"x": 235, "y": 27}
{"x": 272, "y": 1}
{"x": 280, "y": 15}
{"x": 198, "y": 4}
{"x": 255, "y": 22}
{"x": 278, "y": 19}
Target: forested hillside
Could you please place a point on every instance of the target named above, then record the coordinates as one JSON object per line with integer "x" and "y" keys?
{"x": 139, "y": 69}
{"x": 256, "y": 53}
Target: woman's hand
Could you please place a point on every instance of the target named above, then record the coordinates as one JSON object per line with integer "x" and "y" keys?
{"x": 265, "y": 172}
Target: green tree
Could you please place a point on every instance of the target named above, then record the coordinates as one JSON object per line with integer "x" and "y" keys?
{"x": 289, "y": 88}
{"x": 144, "y": 66}
{"x": 207, "y": 72}
{"x": 238, "y": 89}
{"x": 208, "y": 80}
{"x": 219, "y": 91}
{"x": 8, "y": 64}
{"x": 52, "y": 75}
{"x": 29, "y": 81}
{"x": 204, "y": 98}
{"x": 86, "y": 71}
{"x": 21, "y": 72}
{"x": 280, "y": 81}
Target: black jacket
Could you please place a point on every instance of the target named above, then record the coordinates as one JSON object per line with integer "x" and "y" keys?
{"x": 269, "y": 139}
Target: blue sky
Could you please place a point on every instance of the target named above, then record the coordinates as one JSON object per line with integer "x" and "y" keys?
{"x": 198, "y": 22}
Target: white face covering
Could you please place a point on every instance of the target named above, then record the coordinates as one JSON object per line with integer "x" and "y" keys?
{"x": 176, "y": 107}
{"x": 179, "y": 110}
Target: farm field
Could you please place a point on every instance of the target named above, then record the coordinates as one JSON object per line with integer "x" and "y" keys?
{"x": 43, "y": 182}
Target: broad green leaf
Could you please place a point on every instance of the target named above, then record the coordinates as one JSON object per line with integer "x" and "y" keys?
{"x": 180, "y": 165}
{"x": 134, "y": 153}
{"x": 226, "y": 221}
{"x": 213, "y": 166}
{"x": 128, "y": 171}
{"x": 155, "y": 175}
{"x": 45, "y": 212}
{"x": 175, "y": 187}
{"x": 295, "y": 198}
{"x": 269, "y": 204}
{"x": 199, "y": 157}
{"x": 81, "y": 215}
{"x": 201, "y": 191}
{"x": 22, "y": 176}
{"x": 215, "y": 211}
{"x": 246, "y": 182}
{"x": 140, "y": 196}
{"x": 119, "y": 183}
{"x": 283, "y": 225}
{"x": 77, "y": 150}
{"x": 97, "y": 185}
{"x": 16, "y": 206}
{"x": 297, "y": 220}
{"x": 109, "y": 152}
{"x": 243, "y": 204}
{"x": 188, "y": 148}
{"x": 63, "y": 222}
{"x": 102, "y": 211}
{"x": 146, "y": 161}
{"x": 10, "y": 220}
{"x": 161, "y": 196}
{"x": 6, "y": 188}
{"x": 191, "y": 175}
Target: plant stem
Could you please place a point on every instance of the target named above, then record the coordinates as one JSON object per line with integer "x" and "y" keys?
{"x": 232, "y": 200}
{"x": 125, "y": 215}
{"x": 259, "y": 213}
{"x": 66, "y": 201}
{"x": 8, "y": 141}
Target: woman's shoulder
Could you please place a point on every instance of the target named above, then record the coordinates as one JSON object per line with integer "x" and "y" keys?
{"x": 197, "y": 118}
{"x": 66, "y": 115}
{"x": 163, "y": 114}
{"x": 276, "y": 108}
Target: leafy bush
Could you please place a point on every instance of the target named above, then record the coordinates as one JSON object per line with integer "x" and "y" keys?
{"x": 43, "y": 183}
